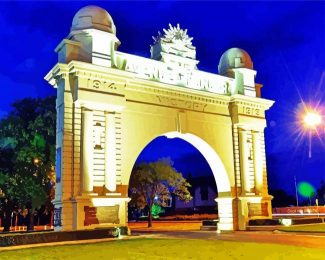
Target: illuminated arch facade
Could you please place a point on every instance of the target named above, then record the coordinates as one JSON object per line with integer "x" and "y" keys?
{"x": 110, "y": 105}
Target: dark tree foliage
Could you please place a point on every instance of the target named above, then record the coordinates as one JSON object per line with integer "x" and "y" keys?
{"x": 321, "y": 193}
{"x": 282, "y": 199}
{"x": 27, "y": 152}
{"x": 153, "y": 183}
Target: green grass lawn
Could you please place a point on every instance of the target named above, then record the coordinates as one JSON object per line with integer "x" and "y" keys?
{"x": 309, "y": 227}
{"x": 147, "y": 248}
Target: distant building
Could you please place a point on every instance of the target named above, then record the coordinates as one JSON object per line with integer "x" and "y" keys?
{"x": 7, "y": 143}
{"x": 204, "y": 192}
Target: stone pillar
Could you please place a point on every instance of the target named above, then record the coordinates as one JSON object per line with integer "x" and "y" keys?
{"x": 258, "y": 163}
{"x": 244, "y": 166}
{"x": 110, "y": 152}
{"x": 225, "y": 213}
{"x": 87, "y": 151}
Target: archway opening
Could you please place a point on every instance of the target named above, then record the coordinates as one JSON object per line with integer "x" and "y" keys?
{"x": 199, "y": 165}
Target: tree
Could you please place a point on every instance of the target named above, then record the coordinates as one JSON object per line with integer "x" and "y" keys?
{"x": 321, "y": 193}
{"x": 27, "y": 152}
{"x": 156, "y": 210}
{"x": 152, "y": 183}
{"x": 281, "y": 198}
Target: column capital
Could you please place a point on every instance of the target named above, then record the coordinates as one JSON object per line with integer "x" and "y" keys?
{"x": 243, "y": 128}
{"x": 258, "y": 128}
{"x": 109, "y": 113}
{"x": 86, "y": 110}
{"x": 242, "y": 131}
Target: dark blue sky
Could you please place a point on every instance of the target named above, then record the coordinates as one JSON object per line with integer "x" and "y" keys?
{"x": 187, "y": 159}
{"x": 286, "y": 41}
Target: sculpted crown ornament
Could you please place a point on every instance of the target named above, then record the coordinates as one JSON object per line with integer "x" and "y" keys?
{"x": 174, "y": 35}
{"x": 174, "y": 47}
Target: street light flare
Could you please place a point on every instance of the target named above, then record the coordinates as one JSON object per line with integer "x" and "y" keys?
{"x": 310, "y": 122}
{"x": 36, "y": 160}
{"x": 312, "y": 119}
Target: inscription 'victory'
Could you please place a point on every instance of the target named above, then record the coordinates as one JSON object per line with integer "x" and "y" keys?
{"x": 186, "y": 104}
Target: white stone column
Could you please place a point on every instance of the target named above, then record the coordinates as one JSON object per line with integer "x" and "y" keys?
{"x": 225, "y": 213}
{"x": 244, "y": 166}
{"x": 110, "y": 152}
{"x": 258, "y": 164}
{"x": 87, "y": 151}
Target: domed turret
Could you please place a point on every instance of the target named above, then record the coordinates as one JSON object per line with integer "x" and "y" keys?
{"x": 232, "y": 59}
{"x": 236, "y": 63}
{"x": 93, "y": 17}
{"x": 92, "y": 38}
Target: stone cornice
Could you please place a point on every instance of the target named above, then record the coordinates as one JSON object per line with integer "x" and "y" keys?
{"x": 66, "y": 41}
{"x": 60, "y": 70}
{"x": 88, "y": 70}
{"x": 251, "y": 101}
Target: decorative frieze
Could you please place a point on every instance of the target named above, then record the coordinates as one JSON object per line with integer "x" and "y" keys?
{"x": 180, "y": 103}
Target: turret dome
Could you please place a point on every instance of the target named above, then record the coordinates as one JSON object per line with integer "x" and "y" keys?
{"x": 93, "y": 17}
{"x": 234, "y": 58}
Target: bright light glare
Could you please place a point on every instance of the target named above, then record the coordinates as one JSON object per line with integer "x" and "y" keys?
{"x": 305, "y": 189}
{"x": 286, "y": 222}
{"x": 312, "y": 119}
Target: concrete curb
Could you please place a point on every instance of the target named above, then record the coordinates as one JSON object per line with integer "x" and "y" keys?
{"x": 63, "y": 243}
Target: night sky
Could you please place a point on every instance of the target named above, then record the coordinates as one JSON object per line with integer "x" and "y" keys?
{"x": 286, "y": 41}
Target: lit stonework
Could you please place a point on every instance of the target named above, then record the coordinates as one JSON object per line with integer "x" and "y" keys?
{"x": 87, "y": 151}
{"x": 110, "y": 152}
{"x": 110, "y": 105}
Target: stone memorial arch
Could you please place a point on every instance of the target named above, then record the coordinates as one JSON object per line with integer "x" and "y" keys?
{"x": 111, "y": 104}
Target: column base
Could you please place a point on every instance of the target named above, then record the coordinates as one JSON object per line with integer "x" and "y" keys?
{"x": 113, "y": 194}
{"x": 100, "y": 211}
{"x": 253, "y": 207}
{"x": 63, "y": 215}
{"x": 225, "y": 213}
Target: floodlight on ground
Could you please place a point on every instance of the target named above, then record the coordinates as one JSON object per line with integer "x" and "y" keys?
{"x": 286, "y": 222}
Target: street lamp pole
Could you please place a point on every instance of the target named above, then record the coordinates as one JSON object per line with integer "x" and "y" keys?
{"x": 297, "y": 201}
{"x": 312, "y": 120}
{"x": 309, "y": 154}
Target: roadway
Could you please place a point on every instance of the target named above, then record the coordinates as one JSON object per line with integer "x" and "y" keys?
{"x": 191, "y": 231}
{"x": 293, "y": 239}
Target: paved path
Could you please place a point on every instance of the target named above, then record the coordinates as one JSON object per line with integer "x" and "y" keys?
{"x": 294, "y": 239}
{"x": 166, "y": 225}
